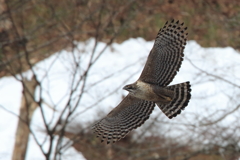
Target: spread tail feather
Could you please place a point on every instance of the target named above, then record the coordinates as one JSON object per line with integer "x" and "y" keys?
{"x": 180, "y": 99}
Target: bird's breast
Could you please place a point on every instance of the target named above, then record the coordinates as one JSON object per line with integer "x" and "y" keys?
{"x": 145, "y": 91}
{"x": 153, "y": 93}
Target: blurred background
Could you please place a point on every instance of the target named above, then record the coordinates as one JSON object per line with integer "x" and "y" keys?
{"x": 63, "y": 64}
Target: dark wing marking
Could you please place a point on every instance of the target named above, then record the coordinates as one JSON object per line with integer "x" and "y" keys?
{"x": 166, "y": 56}
{"x": 129, "y": 114}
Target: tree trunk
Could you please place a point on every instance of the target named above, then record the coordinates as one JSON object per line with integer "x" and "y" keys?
{"x": 27, "y": 108}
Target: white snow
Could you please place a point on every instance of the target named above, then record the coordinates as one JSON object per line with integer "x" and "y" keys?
{"x": 119, "y": 65}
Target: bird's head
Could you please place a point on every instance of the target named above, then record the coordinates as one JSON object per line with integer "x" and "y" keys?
{"x": 131, "y": 88}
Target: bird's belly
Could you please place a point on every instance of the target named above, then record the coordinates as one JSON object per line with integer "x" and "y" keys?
{"x": 151, "y": 92}
{"x": 149, "y": 96}
{"x": 152, "y": 96}
{"x": 156, "y": 98}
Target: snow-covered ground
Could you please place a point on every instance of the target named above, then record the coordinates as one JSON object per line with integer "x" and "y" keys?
{"x": 213, "y": 73}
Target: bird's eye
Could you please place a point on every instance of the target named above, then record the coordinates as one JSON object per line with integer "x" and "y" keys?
{"x": 130, "y": 87}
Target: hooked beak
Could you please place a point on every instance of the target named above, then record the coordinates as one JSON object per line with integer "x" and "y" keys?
{"x": 127, "y": 87}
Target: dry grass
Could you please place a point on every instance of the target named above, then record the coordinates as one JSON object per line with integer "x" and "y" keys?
{"x": 44, "y": 27}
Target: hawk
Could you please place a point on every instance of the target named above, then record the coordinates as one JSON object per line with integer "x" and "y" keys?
{"x": 151, "y": 88}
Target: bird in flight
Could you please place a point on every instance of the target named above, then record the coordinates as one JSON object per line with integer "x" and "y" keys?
{"x": 151, "y": 88}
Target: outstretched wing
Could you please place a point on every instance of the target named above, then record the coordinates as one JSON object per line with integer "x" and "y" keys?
{"x": 166, "y": 55}
{"x": 129, "y": 114}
